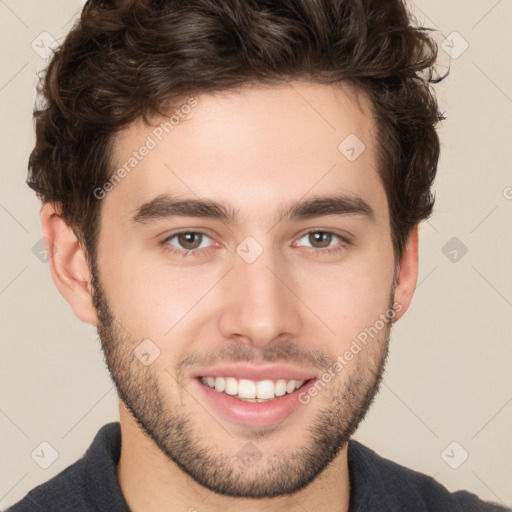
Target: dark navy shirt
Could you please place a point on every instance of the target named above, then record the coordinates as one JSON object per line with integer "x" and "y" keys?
{"x": 377, "y": 484}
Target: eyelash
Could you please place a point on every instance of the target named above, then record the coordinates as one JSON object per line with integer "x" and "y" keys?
{"x": 203, "y": 252}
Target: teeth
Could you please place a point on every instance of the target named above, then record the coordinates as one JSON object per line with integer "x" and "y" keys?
{"x": 264, "y": 389}
{"x": 280, "y": 387}
{"x": 250, "y": 390}
{"x": 220, "y": 384}
{"x": 247, "y": 389}
{"x": 231, "y": 386}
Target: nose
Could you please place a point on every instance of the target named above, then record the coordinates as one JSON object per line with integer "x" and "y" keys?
{"x": 259, "y": 304}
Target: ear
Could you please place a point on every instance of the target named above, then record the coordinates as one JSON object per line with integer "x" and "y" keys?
{"x": 407, "y": 274}
{"x": 68, "y": 263}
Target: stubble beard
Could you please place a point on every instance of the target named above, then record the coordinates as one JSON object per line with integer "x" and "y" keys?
{"x": 183, "y": 439}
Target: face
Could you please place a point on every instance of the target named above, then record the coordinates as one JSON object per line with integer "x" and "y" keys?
{"x": 244, "y": 283}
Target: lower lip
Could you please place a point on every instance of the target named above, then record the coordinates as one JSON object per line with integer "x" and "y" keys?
{"x": 254, "y": 414}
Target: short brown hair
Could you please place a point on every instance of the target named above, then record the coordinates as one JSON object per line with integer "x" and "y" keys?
{"x": 128, "y": 59}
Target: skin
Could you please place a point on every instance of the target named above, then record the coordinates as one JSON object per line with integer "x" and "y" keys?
{"x": 257, "y": 150}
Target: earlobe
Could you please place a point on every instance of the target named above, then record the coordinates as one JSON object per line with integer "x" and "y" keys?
{"x": 407, "y": 274}
{"x": 68, "y": 263}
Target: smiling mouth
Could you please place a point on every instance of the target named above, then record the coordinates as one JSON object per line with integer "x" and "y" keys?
{"x": 253, "y": 391}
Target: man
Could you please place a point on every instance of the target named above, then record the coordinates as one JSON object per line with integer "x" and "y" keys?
{"x": 231, "y": 193}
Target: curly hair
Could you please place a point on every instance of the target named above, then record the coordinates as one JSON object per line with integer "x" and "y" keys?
{"x": 130, "y": 59}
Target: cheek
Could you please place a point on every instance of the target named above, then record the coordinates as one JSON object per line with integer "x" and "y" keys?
{"x": 351, "y": 309}
{"x": 351, "y": 297}
{"x": 152, "y": 299}
{"x": 156, "y": 300}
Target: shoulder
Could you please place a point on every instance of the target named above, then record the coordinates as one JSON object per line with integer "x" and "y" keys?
{"x": 62, "y": 492}
{"x": 85, "y": 483}
{"x": 380, "y": 484}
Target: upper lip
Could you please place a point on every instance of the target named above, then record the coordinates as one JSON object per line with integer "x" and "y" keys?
{"x": 256, "y": 372}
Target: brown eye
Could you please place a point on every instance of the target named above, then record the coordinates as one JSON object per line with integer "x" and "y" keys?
{"x": 188, "y": 241}
{"x": 324, "y": 243}
{"x": 320, "y": 239}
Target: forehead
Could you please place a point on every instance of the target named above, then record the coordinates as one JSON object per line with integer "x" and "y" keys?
{"x": 255, "y": 148}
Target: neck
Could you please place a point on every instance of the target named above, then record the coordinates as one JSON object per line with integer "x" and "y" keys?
{"x": 151, "y": 482}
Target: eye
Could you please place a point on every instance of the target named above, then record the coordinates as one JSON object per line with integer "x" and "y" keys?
{"x": 195, "y": 243}
{"x": 186, "y": 242}
{"x": 321, "y": 241}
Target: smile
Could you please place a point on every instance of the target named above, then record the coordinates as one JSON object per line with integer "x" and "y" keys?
{"x": 252, "y": 391}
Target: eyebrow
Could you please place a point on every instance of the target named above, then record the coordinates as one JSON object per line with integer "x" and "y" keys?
{"x": 165, "y": 206}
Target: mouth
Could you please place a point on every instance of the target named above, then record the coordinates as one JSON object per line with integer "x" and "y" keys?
{"x": 253, "y": 403}
{"x": 253, "y": 391}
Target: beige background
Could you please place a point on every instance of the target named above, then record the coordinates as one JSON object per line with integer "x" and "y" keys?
{"x": 448, "y": 377}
